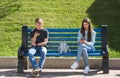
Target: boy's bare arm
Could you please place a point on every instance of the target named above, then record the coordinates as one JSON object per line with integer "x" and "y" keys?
{"x": 36, "y": 34}
{"x": 43, "y": 43}
{"x": 33, "y": 40}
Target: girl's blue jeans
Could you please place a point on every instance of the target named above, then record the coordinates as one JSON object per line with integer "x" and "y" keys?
{"x": 83, "y": 50}
{"x": 42, "y": 51}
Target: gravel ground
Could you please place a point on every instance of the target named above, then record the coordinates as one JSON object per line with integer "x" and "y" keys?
{"x": 59, "y": 73}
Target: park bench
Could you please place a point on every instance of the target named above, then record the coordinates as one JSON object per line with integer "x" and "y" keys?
{"x": 68, "y": 35}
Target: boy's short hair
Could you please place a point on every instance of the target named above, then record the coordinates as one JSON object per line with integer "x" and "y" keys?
{"x": 39, "y": 20}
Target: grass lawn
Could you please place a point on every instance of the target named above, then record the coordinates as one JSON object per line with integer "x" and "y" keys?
{"x": 56, "y": 14}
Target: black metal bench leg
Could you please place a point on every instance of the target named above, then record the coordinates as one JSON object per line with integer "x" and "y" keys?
{"x": 105, "y": 64}
{"x": 20, "y": 68}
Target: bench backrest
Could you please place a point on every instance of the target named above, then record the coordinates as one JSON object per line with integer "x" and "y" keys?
{"x": 68, "y": 35}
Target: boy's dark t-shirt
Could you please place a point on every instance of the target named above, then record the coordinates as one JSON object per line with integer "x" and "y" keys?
{"x": 43, "y": 34}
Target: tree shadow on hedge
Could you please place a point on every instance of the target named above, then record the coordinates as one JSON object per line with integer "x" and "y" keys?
{"x": 7, "y": 8}
{"x": 106, "y": 12}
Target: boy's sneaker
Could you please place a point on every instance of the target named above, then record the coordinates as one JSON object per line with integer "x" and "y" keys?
{"x": 74, "y": 65}
{"x": 86, "y": 70}
{"x": 35, "y": 72}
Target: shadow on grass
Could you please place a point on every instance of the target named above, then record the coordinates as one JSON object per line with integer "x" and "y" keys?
{"x": 7, "y": 8}
{"x": 106, "y": 12}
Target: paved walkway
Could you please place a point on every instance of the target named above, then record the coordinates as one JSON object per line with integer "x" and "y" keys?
{"x": 59, "y": 73}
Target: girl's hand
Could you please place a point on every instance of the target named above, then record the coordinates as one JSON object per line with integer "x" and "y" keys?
{"x": 83, "y": 41}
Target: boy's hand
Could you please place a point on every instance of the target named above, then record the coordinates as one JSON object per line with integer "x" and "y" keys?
{"x": 34, "y": 38}
{"x": 33, "y": 44}
{"x": 36, "y": 34}
{"x": 33, "y": 41}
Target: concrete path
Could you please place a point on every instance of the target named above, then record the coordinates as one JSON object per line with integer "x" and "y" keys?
{"x": 59, "y": 73}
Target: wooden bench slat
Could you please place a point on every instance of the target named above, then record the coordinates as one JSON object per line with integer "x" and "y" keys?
{"x": 56, "y": 50}
{"x": 65, "y": 35}
{"x": 64, "y": 29}
{"x": 67, "y": 54}
{"x": 68, "y": 39}
{"x": 69, "y": 44}
{"x": 70, "y": 54}
{"x": 71, "y": 48}
{"x": 62, "y": 39}
{"x": 74, "y": 44}
{"x": 68, "y": 35}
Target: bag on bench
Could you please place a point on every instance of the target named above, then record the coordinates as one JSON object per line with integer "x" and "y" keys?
{"x": 63, "y": 47}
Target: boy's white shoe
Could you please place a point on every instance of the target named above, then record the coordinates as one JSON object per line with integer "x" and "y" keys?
{"x": 86, "y": 70}
{"x": 74, "y": 65}
{"x": 36, "y": 71}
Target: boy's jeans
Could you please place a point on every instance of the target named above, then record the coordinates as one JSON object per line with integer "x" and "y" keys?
{"x": 31, "y": 54}
{"x": 83, "y": 51}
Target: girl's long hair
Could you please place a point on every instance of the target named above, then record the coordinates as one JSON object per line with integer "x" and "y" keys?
{"x": 89, "y": 35}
